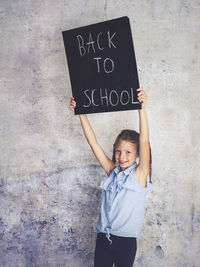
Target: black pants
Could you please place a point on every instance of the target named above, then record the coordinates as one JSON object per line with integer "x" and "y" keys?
{"x": 121, "y": 252}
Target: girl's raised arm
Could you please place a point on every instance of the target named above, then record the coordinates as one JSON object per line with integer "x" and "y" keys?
{"x": 103, "y": 159}
{"x": 144, "y": 146}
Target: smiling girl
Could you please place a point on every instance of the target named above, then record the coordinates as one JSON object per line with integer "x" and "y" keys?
{"x": 124, "y": 190}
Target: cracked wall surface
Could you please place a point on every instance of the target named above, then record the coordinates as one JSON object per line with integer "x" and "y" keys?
{"x": 49, "y": 178}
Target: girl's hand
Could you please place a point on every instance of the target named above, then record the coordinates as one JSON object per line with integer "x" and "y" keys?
{"x": 72, "y": 104}
{"x": 142, "y": 96}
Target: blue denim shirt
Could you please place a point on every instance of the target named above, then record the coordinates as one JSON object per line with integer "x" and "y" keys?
{"x": 122, "y": 208}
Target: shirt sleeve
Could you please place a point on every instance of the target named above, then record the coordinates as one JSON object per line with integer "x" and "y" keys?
{"x": 107, "y": 182}
{"x": 131, "y": 183}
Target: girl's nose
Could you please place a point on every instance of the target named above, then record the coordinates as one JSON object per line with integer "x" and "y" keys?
{"x": 122, "y": 155}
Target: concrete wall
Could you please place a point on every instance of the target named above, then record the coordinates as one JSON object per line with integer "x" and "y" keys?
{"x": 49, "y": 195}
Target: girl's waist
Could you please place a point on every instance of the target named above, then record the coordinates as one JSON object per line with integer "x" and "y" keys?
{"x": 101, "y": 234}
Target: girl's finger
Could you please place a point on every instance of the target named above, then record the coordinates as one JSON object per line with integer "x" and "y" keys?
{"x": 141, "y": 90}
{"x": 143, "y": 97}
{"x": 141, "y": 93}
{"x": 73, "y": 102}
{"x": 72, "y": 107}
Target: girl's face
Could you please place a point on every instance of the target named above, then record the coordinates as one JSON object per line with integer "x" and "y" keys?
{"x": 125, "y": 154}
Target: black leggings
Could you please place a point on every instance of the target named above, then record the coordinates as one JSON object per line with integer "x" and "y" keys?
{"x": 121, "y": 252}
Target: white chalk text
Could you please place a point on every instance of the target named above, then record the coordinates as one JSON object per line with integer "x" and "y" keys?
{"x": 108, "y": 97}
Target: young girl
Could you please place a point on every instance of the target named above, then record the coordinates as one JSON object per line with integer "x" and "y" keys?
{"x": 121, "y": 217}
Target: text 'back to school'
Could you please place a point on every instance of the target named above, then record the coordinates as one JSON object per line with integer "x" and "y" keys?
{"x": 103, "y": 96}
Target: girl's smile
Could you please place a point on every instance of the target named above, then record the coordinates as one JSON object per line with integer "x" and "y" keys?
{"x": 125, "y": 154}
{"x": 122, "y": 162}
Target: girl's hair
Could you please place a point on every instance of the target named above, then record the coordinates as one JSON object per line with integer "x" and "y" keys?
{"x": 133, "y": 137}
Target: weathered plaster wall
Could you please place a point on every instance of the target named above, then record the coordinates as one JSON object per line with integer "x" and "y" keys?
{"x": 49, "y": 195}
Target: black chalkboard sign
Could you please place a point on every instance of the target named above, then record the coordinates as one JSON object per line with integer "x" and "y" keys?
{"x": 102, "y": 66}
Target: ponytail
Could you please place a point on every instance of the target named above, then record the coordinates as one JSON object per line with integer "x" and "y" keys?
{"x": 113, "y": 156}
{"x": 150, "y": 165}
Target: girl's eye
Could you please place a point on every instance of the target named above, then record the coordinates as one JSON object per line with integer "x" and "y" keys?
{"x": 128, "y": 152}
{"x": 117, "y": 151}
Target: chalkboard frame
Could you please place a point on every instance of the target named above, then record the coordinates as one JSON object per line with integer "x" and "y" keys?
{"x": 95, "y": 89}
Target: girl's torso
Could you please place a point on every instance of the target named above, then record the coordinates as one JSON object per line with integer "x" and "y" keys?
{"x": 123, "y": 201}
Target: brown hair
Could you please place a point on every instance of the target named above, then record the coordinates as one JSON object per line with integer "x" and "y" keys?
{"x": 133, "y": 137}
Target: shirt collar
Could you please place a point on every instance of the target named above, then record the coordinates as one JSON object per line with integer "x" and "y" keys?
{"x": 126, "y": 171}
